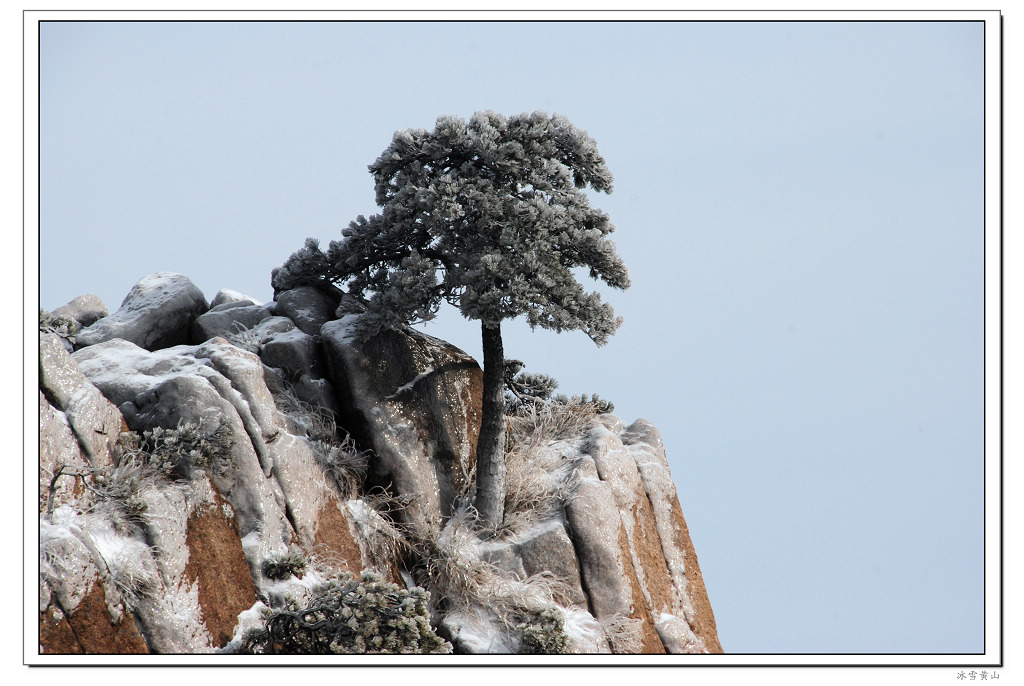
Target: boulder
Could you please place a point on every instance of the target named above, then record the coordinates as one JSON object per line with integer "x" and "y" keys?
{"x": 415, "y": 401}
{"x": 594, "y": 522}
{"x": 227, "y": 319}
{"x": 85, "y": 309}
{"x": 294, "y": 352}
{"x": 631, "y": 541}
{"x": 226, "y": 295}
{"x": 309, "y": 307}
{"x": 157, "y": 313}
{"x": 643, "y": 441}
{"x": 548, "y": 548}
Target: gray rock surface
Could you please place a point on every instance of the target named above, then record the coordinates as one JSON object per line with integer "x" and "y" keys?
{"x": 58, "y": 450}
{"x": 95, "y": 422}
{"x": 309, "y": 307}
{"x": 227, "y": 319}
{"x": 157, "y": 313}
{"x": 294, "y": 352}
{"x": 549, "y": 549}
{"x": 594, "y": 522}
{"x": 85, "y": 309}
{"x": 415, "y": 401}
{"x": 226, "y": 295}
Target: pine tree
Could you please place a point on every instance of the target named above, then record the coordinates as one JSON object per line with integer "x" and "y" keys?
{"x": 491, "y": 216}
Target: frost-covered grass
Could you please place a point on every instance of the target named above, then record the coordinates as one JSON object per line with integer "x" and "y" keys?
{"x": 248, "y": 339}
{"x": 624, "y": 634}
{"x": 386, "y": 540}
{"x": 120, "y": 492}
{"x": 539, "y": 461}
{"x": 543, "y": 423}
{"x": 465, "y": 583}
{"x": 338, "y": 456}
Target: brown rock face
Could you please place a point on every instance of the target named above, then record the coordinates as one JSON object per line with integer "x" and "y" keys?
{"x": 89, "y": 629}
{"x": 217, "y": 565}
{"x": 334, "y": 538}
{"x": 704, "y": 620}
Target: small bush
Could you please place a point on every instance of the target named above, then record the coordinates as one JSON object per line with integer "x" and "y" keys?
{"x": 544, "y": 636}
{"x": 526, "y": 392}
{"x": 350, "y": 616}
{"x": 279, "y": 567}
{"x": 176, "y": 451}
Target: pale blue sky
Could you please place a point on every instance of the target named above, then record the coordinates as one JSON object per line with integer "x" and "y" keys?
{"x": 799, "y": 204}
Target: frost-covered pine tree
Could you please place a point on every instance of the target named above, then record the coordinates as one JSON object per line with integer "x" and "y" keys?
{"x": 489, "y": 215}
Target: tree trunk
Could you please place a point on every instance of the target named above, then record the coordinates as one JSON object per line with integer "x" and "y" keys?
{"x": 490, "y": 447}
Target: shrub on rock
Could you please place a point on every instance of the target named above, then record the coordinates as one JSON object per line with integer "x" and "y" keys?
{"x": 350, "y": 616}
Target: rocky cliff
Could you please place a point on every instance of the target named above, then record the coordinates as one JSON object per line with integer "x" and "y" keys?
{"x": 230, "y": 476}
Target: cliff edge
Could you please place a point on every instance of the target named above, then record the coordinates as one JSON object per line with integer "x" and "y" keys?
{"x": 232, "y": 476}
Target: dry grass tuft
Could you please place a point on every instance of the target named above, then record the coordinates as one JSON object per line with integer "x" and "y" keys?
{"x": 386, "y": 540}
{"x": 340, "y": 459}
{"x": 624, "y": 634}
{"x": 539, "y": 474}
{"x": 544, "y": 423}
{"x": 461, "y": 580}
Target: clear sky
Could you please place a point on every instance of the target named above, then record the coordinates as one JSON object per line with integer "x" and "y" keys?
{"x": 800, "y": 206}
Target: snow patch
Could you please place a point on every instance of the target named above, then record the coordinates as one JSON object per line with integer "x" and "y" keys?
{"x": 478, "y": 631}
{"x": 409, "y": 386}
{"x": 585, "y": 633}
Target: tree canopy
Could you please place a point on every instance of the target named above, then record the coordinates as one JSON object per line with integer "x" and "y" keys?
{"x": 488, "y": 215}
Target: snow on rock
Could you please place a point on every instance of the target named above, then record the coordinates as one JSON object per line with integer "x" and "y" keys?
{"x": 226, "y": 295}
{"x": 82, "y": 607}
{"x": 478, "y": 632}
{"x": 157, "y": 313}
{"x": 677, "y": 635}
